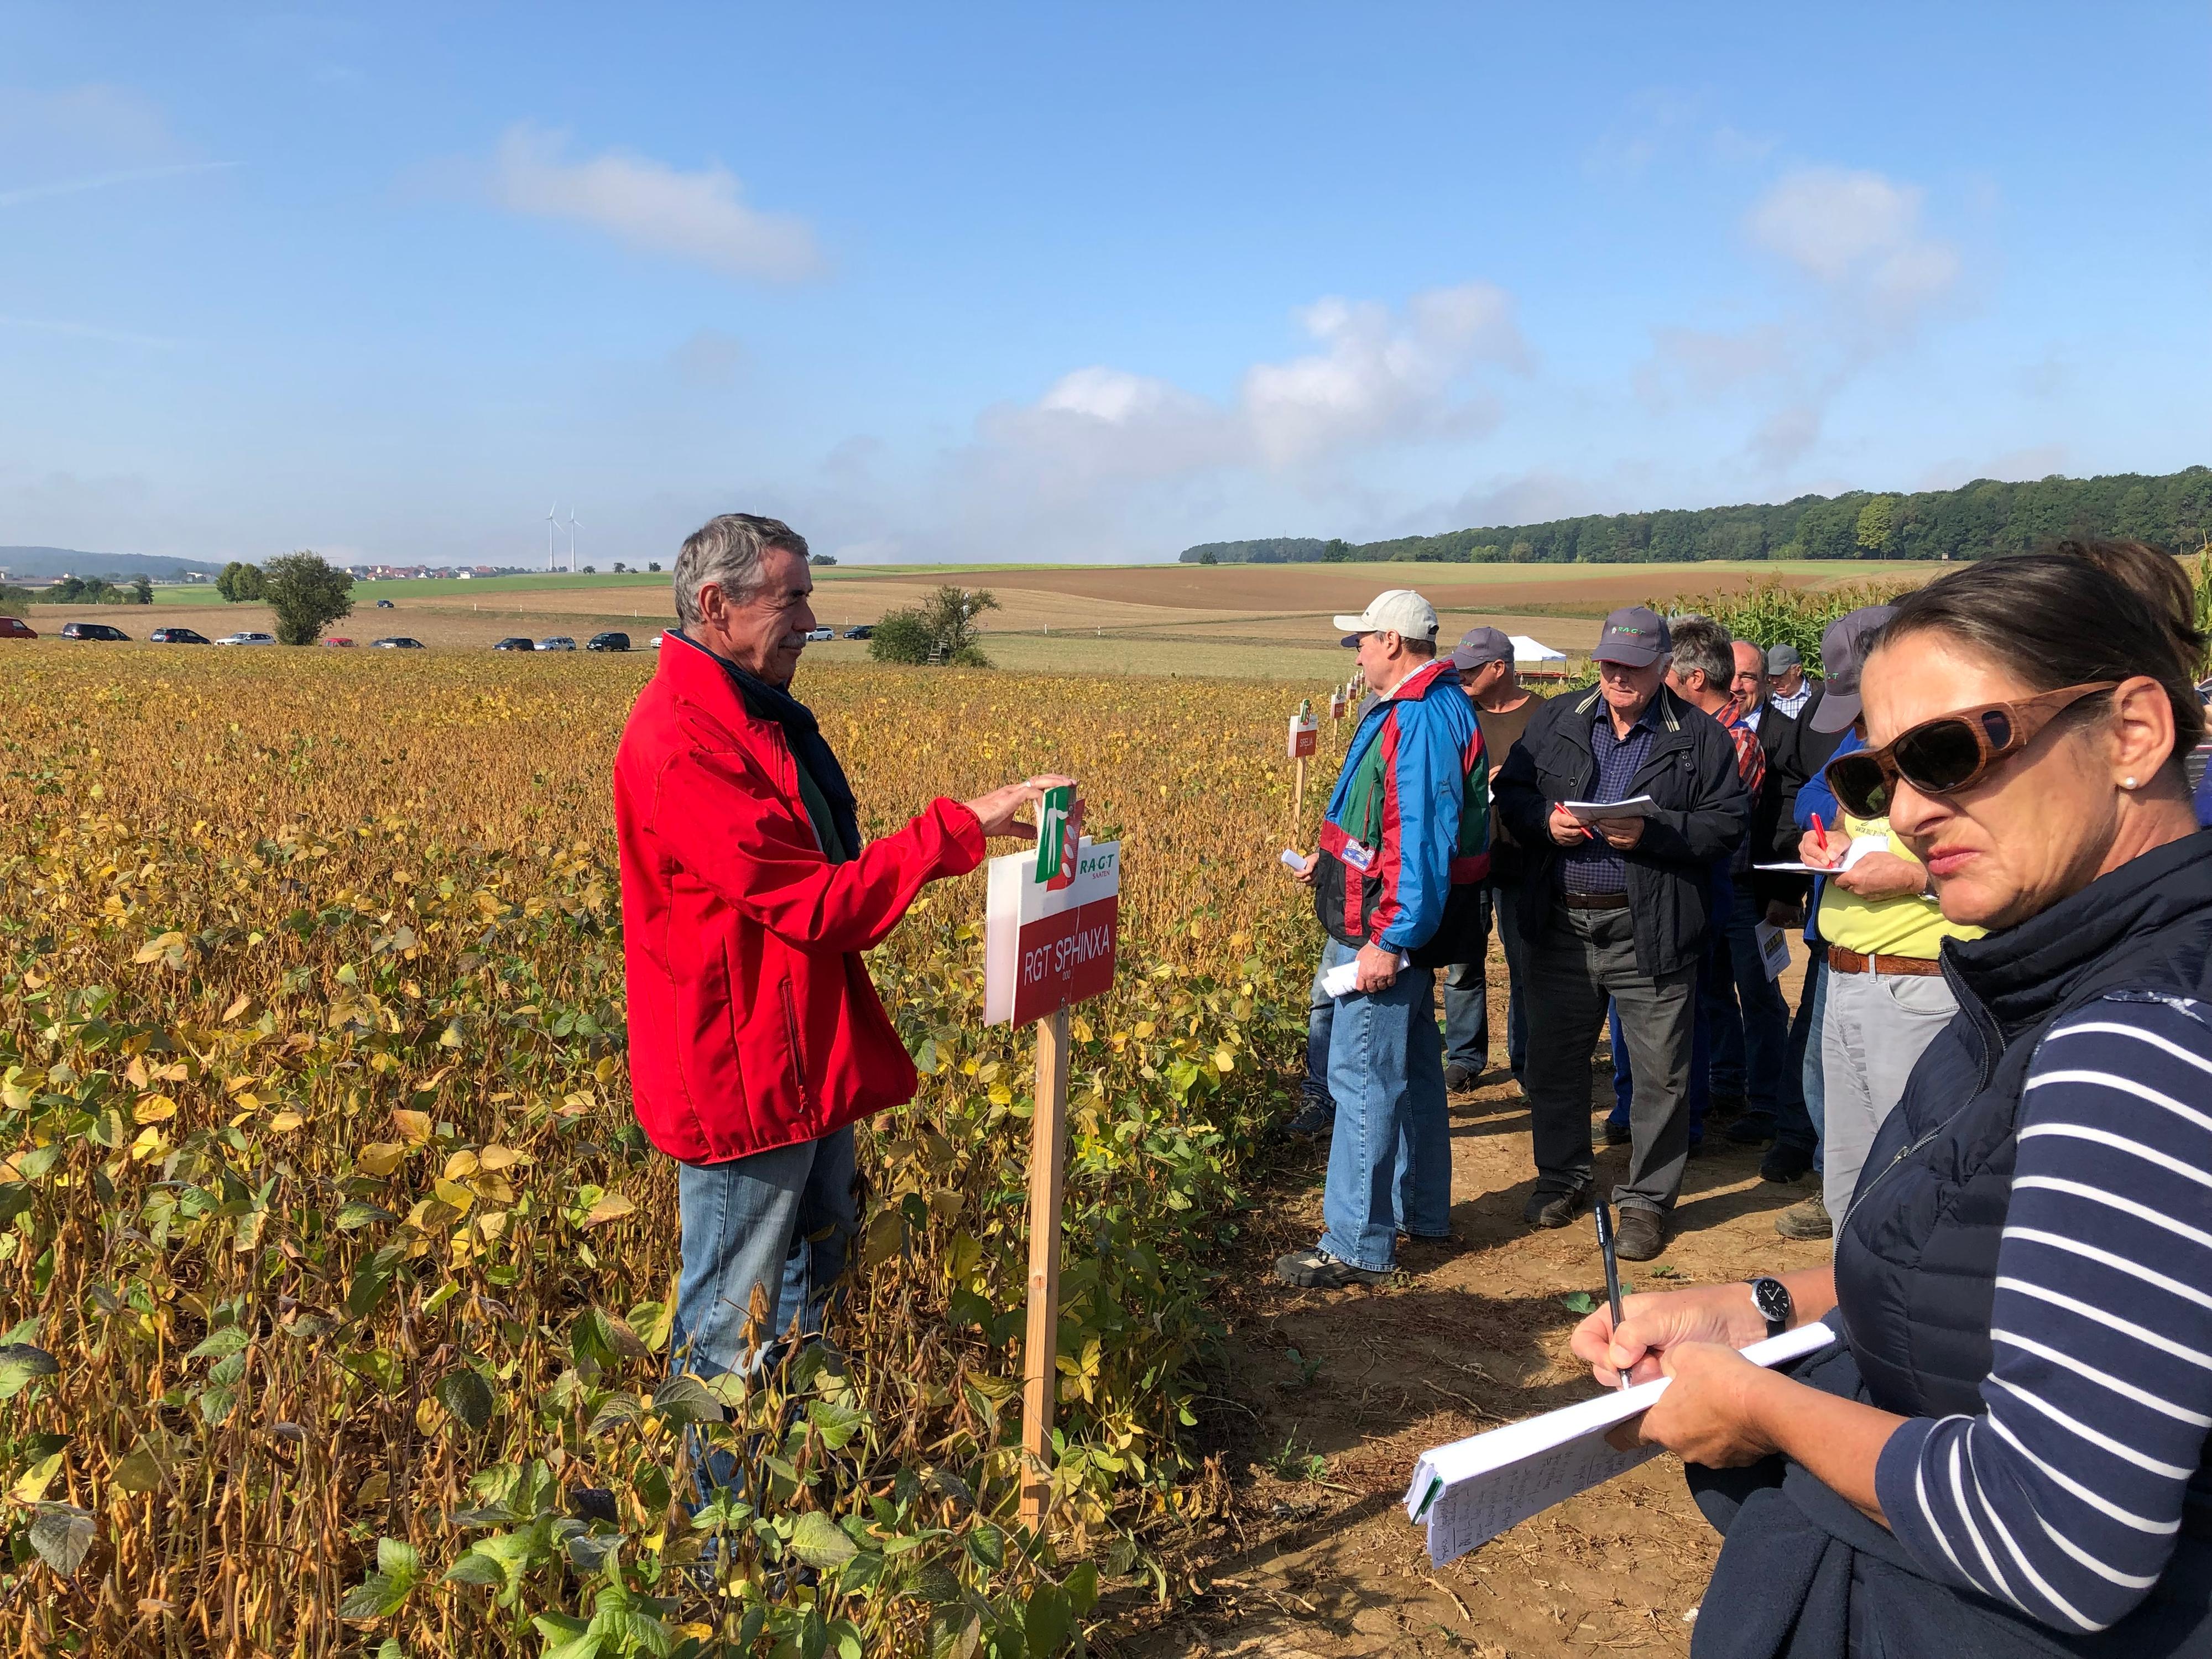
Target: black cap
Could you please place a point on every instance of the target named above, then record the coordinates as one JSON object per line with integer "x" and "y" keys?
{"x": 1480, "y": 647}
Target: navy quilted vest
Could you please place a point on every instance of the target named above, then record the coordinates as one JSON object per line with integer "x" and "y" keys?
{"x": 1916, "y": 1253}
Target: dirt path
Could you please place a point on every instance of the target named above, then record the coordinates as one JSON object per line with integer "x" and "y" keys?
{"x": 1318, "y": 1558}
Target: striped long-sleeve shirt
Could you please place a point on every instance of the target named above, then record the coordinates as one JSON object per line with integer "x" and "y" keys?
{"x": 2064, "y": 1496}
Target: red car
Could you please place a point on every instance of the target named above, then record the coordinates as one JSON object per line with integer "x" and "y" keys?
{"x": 337, "y": 639}
{"x": 10, "y": 628}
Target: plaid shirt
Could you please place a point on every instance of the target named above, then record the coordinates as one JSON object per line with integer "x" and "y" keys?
{"x": 1595, "y": 867}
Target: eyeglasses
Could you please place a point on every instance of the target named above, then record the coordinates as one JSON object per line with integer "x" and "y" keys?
{"x": 1945, "y": 755}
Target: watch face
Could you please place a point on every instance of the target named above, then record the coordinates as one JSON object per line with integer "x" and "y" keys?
{"x": 1772, "y": 1297}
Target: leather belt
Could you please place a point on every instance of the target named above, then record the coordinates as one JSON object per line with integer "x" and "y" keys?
{"x": 1841, "y": 961}
{"x": 1594, "y": 901}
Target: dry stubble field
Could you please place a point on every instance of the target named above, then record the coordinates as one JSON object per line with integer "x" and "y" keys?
{"x": 1260, "y": 621}
{"x": 333, "y": 1266}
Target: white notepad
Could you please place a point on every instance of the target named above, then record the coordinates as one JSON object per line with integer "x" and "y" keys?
{"x": 1343, "y": 979}
{"x": 1469, "y": 1491}
{"x": 1860, "y": 847}
{"x": 1589, "y": 811}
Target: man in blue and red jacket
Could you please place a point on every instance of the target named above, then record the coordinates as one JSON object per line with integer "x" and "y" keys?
{"x": 1405, "y": 847}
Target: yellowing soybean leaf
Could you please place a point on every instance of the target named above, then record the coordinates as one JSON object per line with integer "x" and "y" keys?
{"x": 154, "y": 1109}
{"x": 413, "y": 1126}
{"x": 284, "y": 1123}
{"x": 380, "y": 1157}
{"x": 612, "y": 1207}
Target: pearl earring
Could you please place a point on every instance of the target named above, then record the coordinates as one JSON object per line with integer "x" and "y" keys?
{"x": 2127, "y": 783}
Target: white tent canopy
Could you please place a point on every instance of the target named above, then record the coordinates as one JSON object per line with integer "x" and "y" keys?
{"x": 1526, "y": 649}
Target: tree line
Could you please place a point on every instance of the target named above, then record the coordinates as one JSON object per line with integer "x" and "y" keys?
{"x": 1976, "y": 520}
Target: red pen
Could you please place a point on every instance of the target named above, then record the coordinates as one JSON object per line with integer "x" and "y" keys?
{"x": 1820, "y": 830}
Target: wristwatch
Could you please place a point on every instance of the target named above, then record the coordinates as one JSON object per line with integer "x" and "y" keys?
{"x": 1771, "y": 1297}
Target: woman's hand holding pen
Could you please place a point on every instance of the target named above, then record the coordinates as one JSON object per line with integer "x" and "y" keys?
{"x": 1654, "y": 1323}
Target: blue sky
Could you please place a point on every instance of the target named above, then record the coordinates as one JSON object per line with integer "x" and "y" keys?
{"x": 1053, "y": 282}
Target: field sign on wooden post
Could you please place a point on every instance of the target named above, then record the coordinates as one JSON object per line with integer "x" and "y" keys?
{"x": 1304, "y": 738}
{"x": 1049, "y": 941}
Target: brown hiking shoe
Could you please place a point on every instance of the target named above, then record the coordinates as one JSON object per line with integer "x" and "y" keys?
{"x": 1639, "y": 1236}
{"x": 1807, "y": 1220}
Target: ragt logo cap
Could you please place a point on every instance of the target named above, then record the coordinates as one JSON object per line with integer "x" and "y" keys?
{"x": 1633, "y": 637}
{"x": 1400, "y": 611}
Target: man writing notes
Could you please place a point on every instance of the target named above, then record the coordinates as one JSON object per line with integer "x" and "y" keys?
{"x": 756, "y": 1038}
{"x": 1618, "y": 906}
{"x": 1405, "y": 847}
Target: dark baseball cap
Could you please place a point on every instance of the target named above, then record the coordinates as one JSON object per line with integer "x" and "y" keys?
{"x": 1480, "y": 647}
{"x": 1843, "y": 654}
{"x": 1634, "y": 637}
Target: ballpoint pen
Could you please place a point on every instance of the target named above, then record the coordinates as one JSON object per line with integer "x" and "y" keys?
{"x": 1604, "y": 1214}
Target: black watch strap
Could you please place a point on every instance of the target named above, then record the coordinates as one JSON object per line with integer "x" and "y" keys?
{"x": 1771, "y": 1297}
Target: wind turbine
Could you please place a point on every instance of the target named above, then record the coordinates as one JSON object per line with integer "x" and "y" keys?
{"x": 573, "y": 522}
{"x": 549, "y": 522}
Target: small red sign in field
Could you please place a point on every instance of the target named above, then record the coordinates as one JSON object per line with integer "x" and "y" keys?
{"x": 1049, "y": 944}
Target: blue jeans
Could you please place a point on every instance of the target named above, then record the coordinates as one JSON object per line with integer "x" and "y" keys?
{"x": 1773, "y": 1092}
{"x": 1321, "y": 1015}
{"x": 1807, "y": 1033}
{"x": 1390, "y": 1155}
{"x": 782, "y": 1220}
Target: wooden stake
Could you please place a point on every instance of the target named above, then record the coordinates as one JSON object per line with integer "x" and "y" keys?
{"x": 1298, "y": 797}
{"x": 1040, "y": 1346}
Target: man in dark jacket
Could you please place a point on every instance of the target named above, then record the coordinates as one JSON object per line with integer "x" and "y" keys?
{"x": 1617, "y": 906}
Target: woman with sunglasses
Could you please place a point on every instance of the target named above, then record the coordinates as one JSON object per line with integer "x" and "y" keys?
{"x": 2004, "y": 1448}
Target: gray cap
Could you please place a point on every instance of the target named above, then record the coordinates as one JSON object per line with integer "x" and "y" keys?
{"x": 1783, "y": 658}
{"x": 1843, "y": 654}
{"x": 1634, "y": 637}
{"x": 1480, "y": 647}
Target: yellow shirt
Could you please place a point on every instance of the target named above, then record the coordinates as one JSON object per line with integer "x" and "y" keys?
{"x": 1911, "y": 925}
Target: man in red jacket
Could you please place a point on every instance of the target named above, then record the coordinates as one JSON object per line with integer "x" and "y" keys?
{"x": 756, "y": 1039}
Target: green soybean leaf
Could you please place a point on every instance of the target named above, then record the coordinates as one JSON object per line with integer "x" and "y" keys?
{"x": 822, "y": 1543}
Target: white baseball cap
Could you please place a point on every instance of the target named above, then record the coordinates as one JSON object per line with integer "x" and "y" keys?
{"x": 1400, "y": 611}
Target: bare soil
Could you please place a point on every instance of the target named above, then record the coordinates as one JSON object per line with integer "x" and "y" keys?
{"x": 1318, "y": 1558}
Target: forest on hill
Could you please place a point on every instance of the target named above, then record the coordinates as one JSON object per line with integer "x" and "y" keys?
{"x": 1974, "y": 521}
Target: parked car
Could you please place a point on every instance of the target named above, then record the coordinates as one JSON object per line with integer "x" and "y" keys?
{"x": 247, "y": 639}
{"x": 516, "y": 642}
{"x": 864, "y": 631}
{"x": 13, "y": 628}
{"x": 91, "y": 631}
{"x": 817, "y": 634}
{"x": 556, "y": 642}
{"x": 386, "y": 605}
{"x": 607, "y": 642}
{"x": 397, "y": 642}
{"x": 654, "y": 644}
{"x": 176, "y": 637}
{"x": 337, "y": 639}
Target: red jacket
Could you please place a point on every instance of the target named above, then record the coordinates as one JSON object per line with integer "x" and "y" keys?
{"x": 753, "y": 1021}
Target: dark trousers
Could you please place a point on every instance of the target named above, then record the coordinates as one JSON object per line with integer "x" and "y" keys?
{"x": 1466, "y": 996}
{"x": 1581, "y": 958}
{"x": 1769, "y": 1082}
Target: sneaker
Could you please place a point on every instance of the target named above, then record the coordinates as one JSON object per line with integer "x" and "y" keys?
{"x": 1317, "y": 1270}
{"x": 1638, "y": 1235}
{"x": 1808, "y": 1219}
{"x": 1314, "y": 1121}
{"x": 1785, "y": 1164}
{"x": 1553, "y": 1209}
{"x": 1752, "y": 1130}
{"x": 1617, "y": 1134}
{"x": 1458, "y": 1080}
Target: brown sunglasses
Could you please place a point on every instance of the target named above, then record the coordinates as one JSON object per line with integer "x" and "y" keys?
{"x": 1945, "y": 755}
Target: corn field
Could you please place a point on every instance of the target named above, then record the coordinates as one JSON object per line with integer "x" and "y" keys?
{"x": 335, "y": 1277}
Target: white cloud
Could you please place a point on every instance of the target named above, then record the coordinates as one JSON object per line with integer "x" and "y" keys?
{"x": 1378, "y": 376}
{"x": 1856, "y": 231}
{"x": 699, "y": 217}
